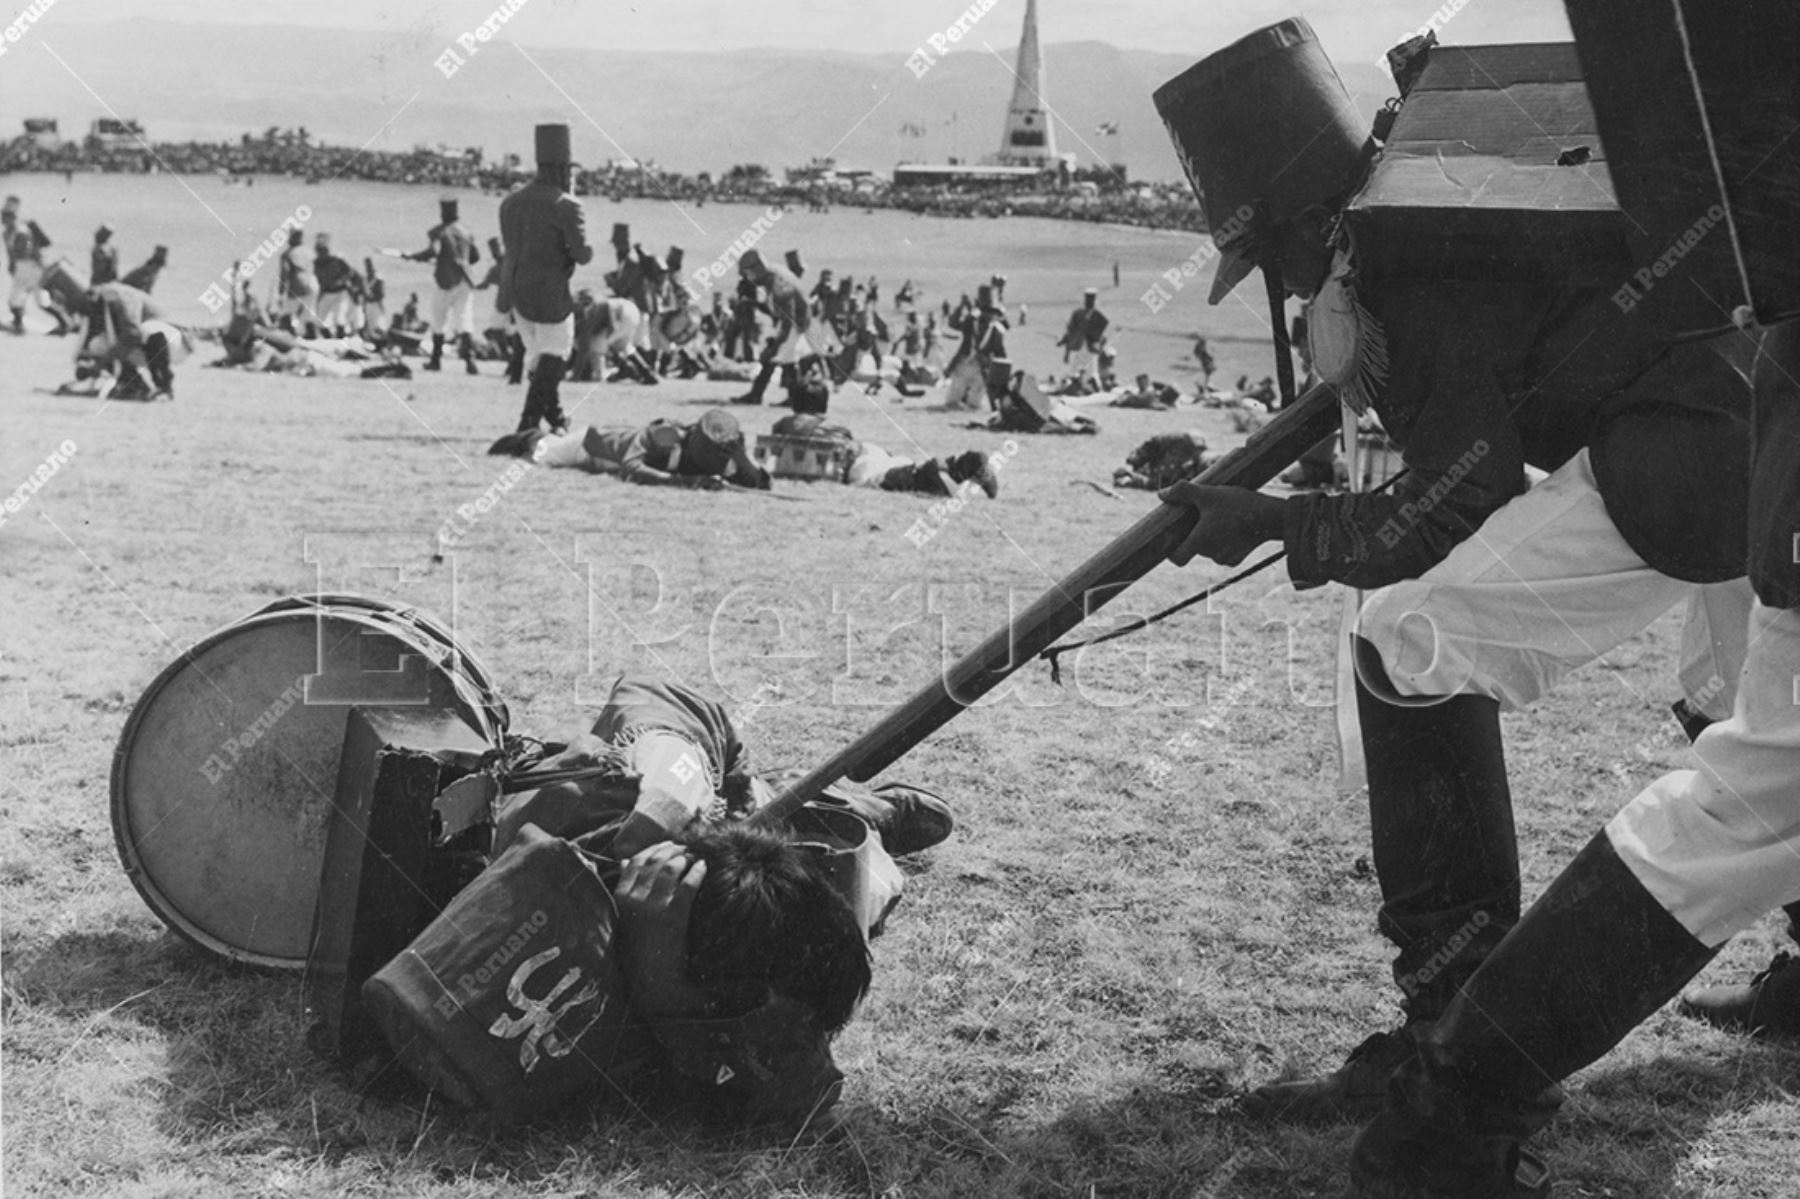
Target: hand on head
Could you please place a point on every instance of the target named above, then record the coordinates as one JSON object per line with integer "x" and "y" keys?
{"x": 655, "y": 895}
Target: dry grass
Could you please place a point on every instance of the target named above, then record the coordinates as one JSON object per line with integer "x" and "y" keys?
{"x": 1078, "y": 981}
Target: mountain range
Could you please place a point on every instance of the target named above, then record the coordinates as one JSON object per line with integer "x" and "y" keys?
{"x": 689, "y": 111}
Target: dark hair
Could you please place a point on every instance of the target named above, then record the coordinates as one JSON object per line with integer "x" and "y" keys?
{"x": 768, "y": 917}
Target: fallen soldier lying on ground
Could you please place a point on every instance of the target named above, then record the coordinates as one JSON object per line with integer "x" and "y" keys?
{"x": 1157, "y": 396}
{"x": 868, "y": 465}
{"x": 723, "y": 955}
{"x": 1024, "y": 408}
{"x": 252, "y": 342}
{"x": 1163, "y": 461}
{"x": 709, "y": 453}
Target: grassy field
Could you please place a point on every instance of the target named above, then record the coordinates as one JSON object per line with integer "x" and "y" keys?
{"x": 1155, "y": 896}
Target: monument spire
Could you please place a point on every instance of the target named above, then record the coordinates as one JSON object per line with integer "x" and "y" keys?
{"x": 1029, "y": 140}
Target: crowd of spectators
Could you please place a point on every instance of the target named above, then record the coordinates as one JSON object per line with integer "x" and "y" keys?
{"x": 294, "y": 153}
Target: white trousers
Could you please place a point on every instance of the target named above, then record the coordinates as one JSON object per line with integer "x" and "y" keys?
{"x": 871, "y": 465}
{"x": 1718, "y": 845}
{"x": 555, "y": 339}
{"x": 453, "y": 310}
{"x": 336, "y": 308}
{"x": 26, "y": 275}
{"x": 1547, "y": 585}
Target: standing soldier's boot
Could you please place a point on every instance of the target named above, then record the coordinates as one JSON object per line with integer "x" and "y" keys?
{"x": 18, "y": 325}
{"x": 515, "y": 359}
{"x": 465, "y": 349}
{"x": 1446, "y": 857}
{"x": 533, "y": 413}
{"x": 761, "y": 385}
{"x": 1592, "y": 958}
{"x": 550, "y": 370}
{"x": 437, "y": 353}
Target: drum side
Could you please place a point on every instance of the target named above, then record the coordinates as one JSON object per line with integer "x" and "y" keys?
{"x": 228, "y": 771}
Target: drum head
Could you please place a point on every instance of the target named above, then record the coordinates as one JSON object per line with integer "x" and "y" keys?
{"x": 226, "y": 773}
{"x": 466, "y": 663}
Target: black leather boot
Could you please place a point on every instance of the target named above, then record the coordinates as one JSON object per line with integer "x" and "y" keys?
{"x": 437, "y": 353}
{"x": 1441, "y": 817}
{"x": 465, "y": 349}
{"x": 515, "y": 359}
{"x": 549, "y": 369}
{"x": 1593, "y": 958}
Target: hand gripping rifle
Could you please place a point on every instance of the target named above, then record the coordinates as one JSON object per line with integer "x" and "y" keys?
{"x": 1090, "y": 586}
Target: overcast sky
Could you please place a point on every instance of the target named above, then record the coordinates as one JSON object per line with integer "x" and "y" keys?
{"x": 1350, "y": 29}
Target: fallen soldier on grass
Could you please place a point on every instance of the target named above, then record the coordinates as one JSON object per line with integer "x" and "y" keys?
{"x": 709, "y": 453}
{"x": 719, "y": 955}
{"x": 1163, "y": 461}
{"x": 869, "y": 465}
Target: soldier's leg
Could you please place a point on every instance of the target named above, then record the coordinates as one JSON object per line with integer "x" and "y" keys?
{"x": 1546, "y": 585}
{"x": 1694, "y": 859}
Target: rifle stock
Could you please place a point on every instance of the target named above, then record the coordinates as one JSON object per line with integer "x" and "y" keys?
{"x": 1086, "y": 589}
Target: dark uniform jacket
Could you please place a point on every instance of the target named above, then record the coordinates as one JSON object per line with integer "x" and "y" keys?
{"x": 544, "y": 236}
{"x": 451, "y": 253}
{"x": 105, "y": 265}
{"x": 1486, "y": 378}
{"x": 334, "y": 274}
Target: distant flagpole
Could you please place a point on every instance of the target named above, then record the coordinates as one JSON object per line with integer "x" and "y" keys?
{"x": 1110, "y": 130}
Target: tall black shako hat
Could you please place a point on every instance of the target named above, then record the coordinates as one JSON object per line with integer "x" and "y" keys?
{"x": 1264, "y": 130}
{"x": 552, "y": 143}
{"x": 447, "y": 211}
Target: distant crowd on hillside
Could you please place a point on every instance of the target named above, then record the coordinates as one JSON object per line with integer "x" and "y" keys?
{"x": 293, "y": 153}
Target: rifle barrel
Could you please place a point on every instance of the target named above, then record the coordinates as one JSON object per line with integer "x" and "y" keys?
{"x": 1086, "y": 589}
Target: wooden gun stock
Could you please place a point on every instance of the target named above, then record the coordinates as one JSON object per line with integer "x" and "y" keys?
{"x": 1078, "y": 595}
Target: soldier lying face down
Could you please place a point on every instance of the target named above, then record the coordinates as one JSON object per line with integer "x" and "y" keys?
{"x": 708, "y": 453}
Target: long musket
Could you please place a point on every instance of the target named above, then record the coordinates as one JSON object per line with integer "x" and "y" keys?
{"x": 1085, "y": 590}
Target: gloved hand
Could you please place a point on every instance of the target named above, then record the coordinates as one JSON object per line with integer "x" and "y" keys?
{"x": 1233, "y": 521}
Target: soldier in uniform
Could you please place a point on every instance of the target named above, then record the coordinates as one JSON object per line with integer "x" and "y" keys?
{"x": 24, "y": 262}
{"x": 296, "y": 288}
{"x": 983, "y": 327}
{"x": 451, "y": 253}
{"x": 104, "y": 264}
{"x": 337, "y": 285}
{"x": 786, "y": 303}
{"x": 1486, "y": 594}
{"x": 132, "y": 331}
{"x": 707, "y": 454}
{"x": 374, "y": 303}
{"x": 1701, "y": 853}
{"x": 543, "y": 235}
{"x": 1083, "y": 339}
